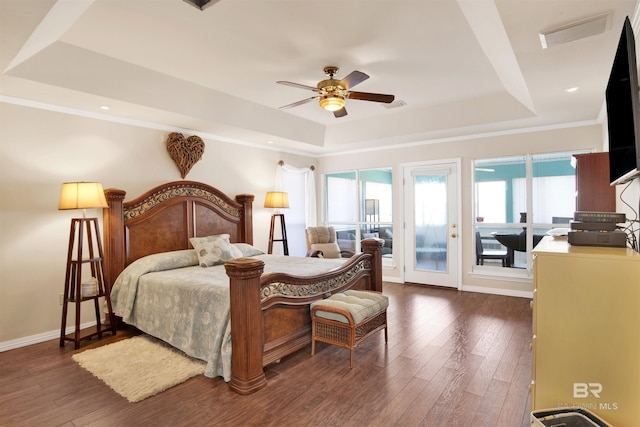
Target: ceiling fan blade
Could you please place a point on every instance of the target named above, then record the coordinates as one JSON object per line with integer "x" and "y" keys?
{"x": 340, "y": 113}
{"x": 295, "y": 104}
{"x": 354, "y": 78}
{"x": 376, "y": 97}
{"x": 298, "y": 85}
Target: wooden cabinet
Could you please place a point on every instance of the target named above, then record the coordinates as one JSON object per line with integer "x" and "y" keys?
{"x": 592, "y": 183}
{"x": 586, "y": 330}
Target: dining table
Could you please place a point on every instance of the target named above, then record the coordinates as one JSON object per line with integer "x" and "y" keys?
{"x": 515, "y": 242}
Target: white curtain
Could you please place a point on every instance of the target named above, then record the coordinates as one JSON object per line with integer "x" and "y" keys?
{"x": 310, "y": 189}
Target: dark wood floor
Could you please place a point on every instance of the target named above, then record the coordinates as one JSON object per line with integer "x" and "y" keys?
{"x": 453, "y": 359}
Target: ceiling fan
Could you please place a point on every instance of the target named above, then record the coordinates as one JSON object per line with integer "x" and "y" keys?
{"x": 332, "y": 93}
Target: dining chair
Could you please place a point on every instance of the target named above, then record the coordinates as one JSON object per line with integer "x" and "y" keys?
{"x": 482, "y": 254}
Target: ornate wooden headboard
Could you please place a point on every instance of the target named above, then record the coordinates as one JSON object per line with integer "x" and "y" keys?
{"x": 166, "y": 217}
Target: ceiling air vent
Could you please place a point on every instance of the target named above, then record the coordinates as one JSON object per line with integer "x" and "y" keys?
{"x": 395, "y": 104}
{"x": 575, "y": 31}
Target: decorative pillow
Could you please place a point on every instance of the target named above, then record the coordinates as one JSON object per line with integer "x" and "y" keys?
{"x": 375, "y": 235}
{"x": 236, "y": 252}
{"x": 214, "y": 250}
{"x": 247, "y": 249}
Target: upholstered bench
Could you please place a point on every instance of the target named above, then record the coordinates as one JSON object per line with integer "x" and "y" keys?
{"x": 346, "y": 319}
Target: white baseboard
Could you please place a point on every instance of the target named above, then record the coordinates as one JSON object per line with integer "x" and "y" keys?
{"x": 498, "y": 291}
{"x": 392, "y": 279}
{"x": 38, "y": 338}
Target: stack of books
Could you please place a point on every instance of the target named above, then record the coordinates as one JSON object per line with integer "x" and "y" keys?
{"x": 597, "y": 229}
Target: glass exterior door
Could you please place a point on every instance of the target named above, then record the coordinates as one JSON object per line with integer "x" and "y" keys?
{"x": 431, "y": 233}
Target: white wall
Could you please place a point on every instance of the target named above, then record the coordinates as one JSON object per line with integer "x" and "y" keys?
{"x": 40, "y": 149}
{"x": 561, "y": 140}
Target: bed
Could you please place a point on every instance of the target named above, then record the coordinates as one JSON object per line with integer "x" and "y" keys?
{"x": 268, "y": 310}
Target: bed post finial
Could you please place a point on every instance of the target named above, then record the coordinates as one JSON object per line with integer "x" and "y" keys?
{"x": 374, "y": 247}
{"x": 114, "y": 236}
{"x": 246, "y": 233}
{"x": 247, "y": 373}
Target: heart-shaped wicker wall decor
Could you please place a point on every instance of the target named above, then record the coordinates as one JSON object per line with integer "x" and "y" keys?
{"x": 185, "y": 152}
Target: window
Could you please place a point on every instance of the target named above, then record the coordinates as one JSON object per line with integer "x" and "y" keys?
{"x": 517, "y": 200}
{"x": 491, "y": 203}
{"x": 342, "y": 196}
{"x": 299, "y": 183}
{"x": 359, "y": 204}
{"x": 294, "y": 185}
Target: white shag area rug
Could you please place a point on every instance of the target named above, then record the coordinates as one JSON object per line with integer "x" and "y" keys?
{"x": 140, "y": 366}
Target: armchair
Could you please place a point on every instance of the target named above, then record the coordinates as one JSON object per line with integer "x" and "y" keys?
{"x": 324, "y": 239}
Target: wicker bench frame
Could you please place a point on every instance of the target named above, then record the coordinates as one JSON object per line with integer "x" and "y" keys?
{"x": 346, "y": 335}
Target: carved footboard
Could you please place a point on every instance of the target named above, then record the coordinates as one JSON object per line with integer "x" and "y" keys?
{"x": 270, "y": 313}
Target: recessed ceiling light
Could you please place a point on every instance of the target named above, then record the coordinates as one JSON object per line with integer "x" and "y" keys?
{"x": 572, "y": 89}
{"x": 269, "y": 142}
{"x": 104, "y": 107}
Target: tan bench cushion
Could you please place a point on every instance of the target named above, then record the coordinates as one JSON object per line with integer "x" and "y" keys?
{"x": 360, "y": 304}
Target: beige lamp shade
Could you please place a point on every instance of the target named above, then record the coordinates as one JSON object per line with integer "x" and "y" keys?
{"x": 276, "y": 200}
{"x": 82, "y": 195}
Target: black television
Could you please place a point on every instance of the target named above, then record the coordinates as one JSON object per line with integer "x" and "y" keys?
{"x": 623, "y": 111}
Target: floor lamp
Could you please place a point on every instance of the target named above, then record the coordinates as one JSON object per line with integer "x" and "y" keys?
{"x": 84, "y": 195}
{"x": 277, "y": 200}
{"x": 371, "y": 209}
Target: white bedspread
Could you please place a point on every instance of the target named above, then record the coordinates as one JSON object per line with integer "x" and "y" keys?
{"x": 172, "y": 298}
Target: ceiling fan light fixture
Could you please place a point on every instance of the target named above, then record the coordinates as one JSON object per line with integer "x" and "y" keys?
{"x": 332, "y": 102}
